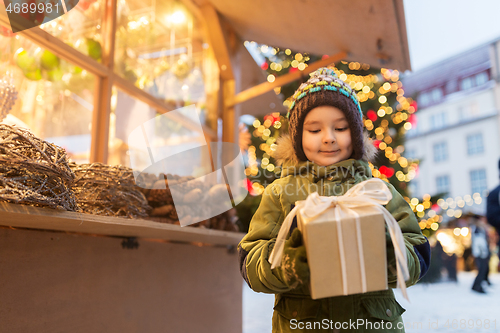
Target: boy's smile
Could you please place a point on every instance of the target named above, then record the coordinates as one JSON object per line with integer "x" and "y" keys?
{"x": 326, "y": 136}
{"x": 329, "y": 153}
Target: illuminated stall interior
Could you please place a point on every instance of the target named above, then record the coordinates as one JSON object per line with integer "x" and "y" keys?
{"x": 149, "y": 58}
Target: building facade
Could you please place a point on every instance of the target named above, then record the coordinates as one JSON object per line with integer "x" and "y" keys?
{"x": 456, "y": 136}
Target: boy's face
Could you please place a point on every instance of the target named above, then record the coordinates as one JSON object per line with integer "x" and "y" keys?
{"x": 326, "y": 136}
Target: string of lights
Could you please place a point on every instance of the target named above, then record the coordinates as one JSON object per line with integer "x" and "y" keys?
{"x": 389, "y": 117}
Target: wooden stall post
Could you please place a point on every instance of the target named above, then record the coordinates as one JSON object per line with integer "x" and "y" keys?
{"x": 103, "y": 89}
{"x": 219, "y": 45}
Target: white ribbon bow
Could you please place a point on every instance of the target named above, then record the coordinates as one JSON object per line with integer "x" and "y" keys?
{"x": 372, "y": 192}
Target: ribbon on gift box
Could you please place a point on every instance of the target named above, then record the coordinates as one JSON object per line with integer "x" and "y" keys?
{"x": 372, "y": 192}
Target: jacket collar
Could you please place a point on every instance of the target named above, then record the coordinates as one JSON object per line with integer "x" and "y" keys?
{"x": 338, "y": 172}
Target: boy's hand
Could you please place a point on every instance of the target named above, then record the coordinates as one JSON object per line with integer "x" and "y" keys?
{"x": 294, "y": 263}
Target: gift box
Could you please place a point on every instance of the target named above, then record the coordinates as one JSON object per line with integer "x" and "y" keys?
{"x": 345, "y": 240}
{"x": 346, "y": 253}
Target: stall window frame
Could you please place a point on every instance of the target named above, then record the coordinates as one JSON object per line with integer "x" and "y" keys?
{"x": 106, "y": 78}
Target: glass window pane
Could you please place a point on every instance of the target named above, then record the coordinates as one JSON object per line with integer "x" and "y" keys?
{"x": 160, "y": 49}
{"x": 128, "y": 114}
{"x": 55, "y": 101}
{"x": 481, "y": 78}
{"x": 443, "y": 184}
{"x": 466, "y": 83}
{"x": 438, "y": 120}
{"x": 424, "y": 99}
{"x": 475, "y": 144}
{"x": 478, "y": 181}
{"x": 437, "y": 94}
{"x": 440, "y": 152}
{"x": 461, "y": 114}
{"x": 81, "y": 27}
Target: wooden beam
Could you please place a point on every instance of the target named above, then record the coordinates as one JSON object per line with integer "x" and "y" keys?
{"x": 212, "y": 80}
{"x": 99, "y": 135}
{"x": 217, "y": 40}
{"x": 219, "y": 44}
{"x": 401, "y": 22}
{"x": 228, "y": 118}
{"x": 283, "y": 80}
{"x": 109, "y": 33}
{"x": 159, "y": 105}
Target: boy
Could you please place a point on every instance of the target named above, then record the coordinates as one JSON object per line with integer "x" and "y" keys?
{"x": 326, "y": 152}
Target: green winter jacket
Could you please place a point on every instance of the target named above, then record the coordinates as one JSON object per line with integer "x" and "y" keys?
{"x": 295, "y": 310}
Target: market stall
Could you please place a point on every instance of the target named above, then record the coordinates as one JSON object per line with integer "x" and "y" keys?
{"x": 85, "y": 81}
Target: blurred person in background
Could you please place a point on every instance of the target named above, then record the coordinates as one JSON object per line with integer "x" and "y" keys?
{"x": 480, "y": 251}
{"x": 493, "y": 211}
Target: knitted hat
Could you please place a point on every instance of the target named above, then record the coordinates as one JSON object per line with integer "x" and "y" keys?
{"x": 324, "y": 87}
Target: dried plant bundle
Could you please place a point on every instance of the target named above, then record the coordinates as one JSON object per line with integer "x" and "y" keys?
{"x": 108, "y": 190}
{"x": 33, "y": 171}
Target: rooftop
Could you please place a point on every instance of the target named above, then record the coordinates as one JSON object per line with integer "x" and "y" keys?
{"x": 459, "y": 66}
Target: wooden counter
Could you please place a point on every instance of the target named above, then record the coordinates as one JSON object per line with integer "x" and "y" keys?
{"x": 13, "y": 215}
{"x": 61, "y": 272}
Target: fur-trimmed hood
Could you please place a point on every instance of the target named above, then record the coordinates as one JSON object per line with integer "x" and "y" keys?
{"x": 285, "y": 154}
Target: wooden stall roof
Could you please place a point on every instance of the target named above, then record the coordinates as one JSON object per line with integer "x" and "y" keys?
{"x": 370, "y": 31}
{"x": 23, "y": 216}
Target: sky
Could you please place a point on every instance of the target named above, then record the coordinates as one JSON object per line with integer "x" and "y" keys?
{"x": 438, "y": 29}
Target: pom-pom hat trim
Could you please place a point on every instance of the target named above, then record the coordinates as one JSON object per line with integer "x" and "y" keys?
{"x": 324, "y": 79}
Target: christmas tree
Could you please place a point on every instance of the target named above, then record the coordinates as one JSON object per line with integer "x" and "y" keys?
{"x": 388, "y": 114}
